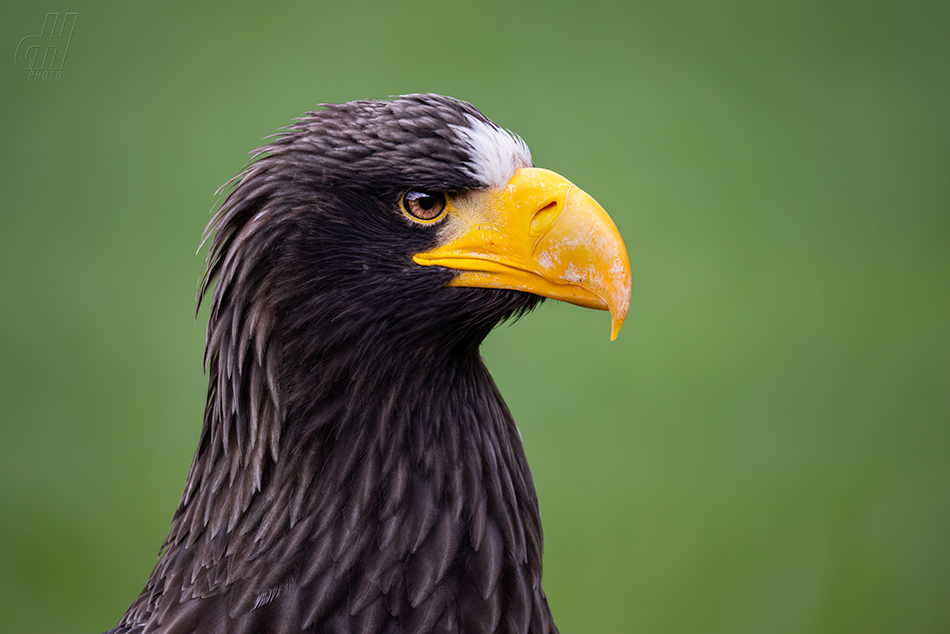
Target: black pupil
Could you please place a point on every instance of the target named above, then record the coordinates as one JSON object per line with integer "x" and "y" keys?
{"x": 426, "y": 202}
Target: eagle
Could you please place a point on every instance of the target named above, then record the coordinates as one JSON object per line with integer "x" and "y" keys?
{"x": 357, "y": 469}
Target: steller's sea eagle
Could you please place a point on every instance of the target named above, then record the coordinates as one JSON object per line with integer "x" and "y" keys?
{"x": 358, "y": 470}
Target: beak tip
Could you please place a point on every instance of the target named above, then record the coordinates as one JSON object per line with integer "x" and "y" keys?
{"x": 615, "y": 326}
{"x": 618, "y": 309}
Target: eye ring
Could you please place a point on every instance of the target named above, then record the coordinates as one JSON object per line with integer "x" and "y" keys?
{"x": 424, "y": 206}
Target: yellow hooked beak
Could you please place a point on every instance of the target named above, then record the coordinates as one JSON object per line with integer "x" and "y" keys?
{"x": 540, "y": 234}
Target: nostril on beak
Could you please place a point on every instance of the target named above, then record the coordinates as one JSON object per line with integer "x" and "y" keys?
{"x": 544, "y": 217}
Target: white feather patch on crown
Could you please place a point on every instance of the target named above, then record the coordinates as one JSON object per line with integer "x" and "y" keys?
{"x": 495, "y": 154}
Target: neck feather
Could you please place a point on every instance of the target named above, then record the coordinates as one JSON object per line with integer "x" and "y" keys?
{"x": 333, "y": 488}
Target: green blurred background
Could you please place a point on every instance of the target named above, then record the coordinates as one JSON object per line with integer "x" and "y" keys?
{"x": 766, "y": 447}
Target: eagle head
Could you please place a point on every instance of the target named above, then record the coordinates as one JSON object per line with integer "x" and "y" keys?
{"x": 357, "y": 469}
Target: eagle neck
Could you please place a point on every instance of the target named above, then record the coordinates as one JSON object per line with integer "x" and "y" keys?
{"x": 412, "y": 494}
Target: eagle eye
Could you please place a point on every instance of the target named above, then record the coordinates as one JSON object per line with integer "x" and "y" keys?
{"x": 423, "y": 206}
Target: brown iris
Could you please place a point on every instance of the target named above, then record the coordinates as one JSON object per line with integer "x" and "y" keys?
{"x": 423, "y": 205}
